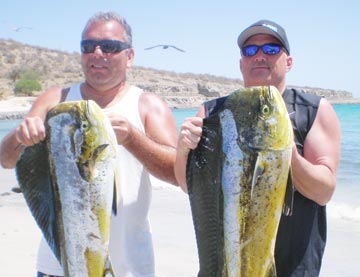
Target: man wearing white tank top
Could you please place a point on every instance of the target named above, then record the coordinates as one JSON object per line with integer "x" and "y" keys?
{"x": 145, "y": 131}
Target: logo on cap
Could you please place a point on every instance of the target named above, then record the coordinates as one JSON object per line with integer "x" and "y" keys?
{"x": 271, "y": 27}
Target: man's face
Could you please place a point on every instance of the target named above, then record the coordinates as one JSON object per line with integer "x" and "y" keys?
{"x": 262, "y": 69}
{"x": 106, "y": 70}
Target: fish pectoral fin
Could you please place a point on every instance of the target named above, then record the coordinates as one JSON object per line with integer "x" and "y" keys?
{"x": 289, "y": 196}
{"x": 272, "y": 270}
{"x": 108, "y": 270}
{"x": 87, "y": 167}
{"x": 116, "y": 192}
{"x": 98, "y": 151}
{"x": 115, "y": 198}
{"x": 258, "y": 172}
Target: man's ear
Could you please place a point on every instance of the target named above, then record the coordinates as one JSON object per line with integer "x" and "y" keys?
{"x": 289, "y": 63}
{"x": 130, "y": 57}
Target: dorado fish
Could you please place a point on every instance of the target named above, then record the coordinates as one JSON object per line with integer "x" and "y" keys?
{"x": 238, "y": 183}
{"x": 68, "y": 182}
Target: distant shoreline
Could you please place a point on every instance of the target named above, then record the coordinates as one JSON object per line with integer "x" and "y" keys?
{"x": 18, "y": 112}
{"x": 345, "y": 101}
{"x": 12, "y": 115}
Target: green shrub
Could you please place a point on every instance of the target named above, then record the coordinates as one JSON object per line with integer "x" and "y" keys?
{"x": 25, "y": 87}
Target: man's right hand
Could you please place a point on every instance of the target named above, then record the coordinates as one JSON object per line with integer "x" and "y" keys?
{"x": 30, "y": 131}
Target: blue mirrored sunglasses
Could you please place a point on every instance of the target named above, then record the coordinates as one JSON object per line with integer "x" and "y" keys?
{"x": 268, "y": 49}
{"x": 106, "y": 46}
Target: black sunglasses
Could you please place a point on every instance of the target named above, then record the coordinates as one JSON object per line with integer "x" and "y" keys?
{"x": 106, "y": 46}
{"x": 268, "y": 49}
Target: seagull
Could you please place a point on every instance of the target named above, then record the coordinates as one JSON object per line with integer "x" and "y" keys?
{"x": 17, "y": 29}
{"x": 165, "y": 46}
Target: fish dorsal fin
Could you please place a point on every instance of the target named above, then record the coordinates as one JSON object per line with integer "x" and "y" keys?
{"x": 33, "y": 175}
{"x": 203, "y": 175}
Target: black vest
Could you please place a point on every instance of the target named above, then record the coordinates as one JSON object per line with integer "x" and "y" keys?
{"x": 301, "y": 237}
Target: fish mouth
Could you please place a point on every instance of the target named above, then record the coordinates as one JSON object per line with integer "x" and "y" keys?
{"x": 266, "y": 96}
{"x": 88, "y": 112}
{"x": 87, "y": 109}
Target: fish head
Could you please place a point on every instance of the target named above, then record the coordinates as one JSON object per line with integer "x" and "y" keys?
{"x": 82, "y": 132}
{"x": 262, "y": 118}
{"x": 97, "y": 130}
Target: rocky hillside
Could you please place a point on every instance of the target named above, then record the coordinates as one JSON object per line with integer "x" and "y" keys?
{"x": 177, "y": 89}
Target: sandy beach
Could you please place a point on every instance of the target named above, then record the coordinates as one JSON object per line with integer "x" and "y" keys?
{"x": 174, "y": 239}
{"x": 173, "y": 233}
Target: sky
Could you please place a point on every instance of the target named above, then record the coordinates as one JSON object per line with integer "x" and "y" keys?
{"x": 323, "y": 34}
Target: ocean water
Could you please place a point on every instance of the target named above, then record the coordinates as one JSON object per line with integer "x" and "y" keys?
{"x": 7, "y": 125}
{"x": 345, "y": 204}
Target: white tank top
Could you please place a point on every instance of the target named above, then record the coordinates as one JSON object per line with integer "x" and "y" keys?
{"x": 131, "y": 249}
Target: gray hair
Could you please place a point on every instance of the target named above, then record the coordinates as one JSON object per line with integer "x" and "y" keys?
{"x": 110, "y": 16}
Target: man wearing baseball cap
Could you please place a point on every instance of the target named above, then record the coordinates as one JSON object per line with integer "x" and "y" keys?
{"x": 265, "y": 61}
{"x": 265, "y": 27}
{"x": 265, "y": 55}
{"x": 300, "y": 243}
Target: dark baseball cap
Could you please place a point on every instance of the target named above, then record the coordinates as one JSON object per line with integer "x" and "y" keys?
{"x": 265, "y": 27}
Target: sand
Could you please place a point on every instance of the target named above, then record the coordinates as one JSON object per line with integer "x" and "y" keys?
{"x": 173, "y": 233}
{"x": 174, "y": 238}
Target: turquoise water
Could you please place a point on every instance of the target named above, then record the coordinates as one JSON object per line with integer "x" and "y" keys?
{"x": 181, "y": 114}
{"x": 345, "y": 203}
{"x": 7, "y": 125}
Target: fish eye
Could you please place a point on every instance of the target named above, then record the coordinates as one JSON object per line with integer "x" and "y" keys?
{"x": 265, "y": 109}
{"x": 84, "y": 126}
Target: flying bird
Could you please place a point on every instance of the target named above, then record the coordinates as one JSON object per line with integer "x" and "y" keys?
{"x": 19, "y": 28}
{"x": 165, "y": 46}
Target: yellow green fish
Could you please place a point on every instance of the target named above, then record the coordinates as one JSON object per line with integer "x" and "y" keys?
{"x": 237, "y": 180}
{"x": 68, "y": 182}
